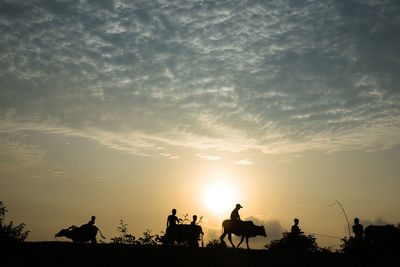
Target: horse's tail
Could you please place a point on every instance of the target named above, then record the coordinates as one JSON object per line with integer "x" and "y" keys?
{"x": 100, "y": 233}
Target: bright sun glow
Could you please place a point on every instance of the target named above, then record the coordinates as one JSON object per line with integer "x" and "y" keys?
{"x": 220, "y": 198}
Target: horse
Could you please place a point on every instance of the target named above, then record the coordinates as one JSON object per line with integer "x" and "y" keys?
{"x": 245, "y": 229}
{"x": 183, "y": 234}
{"x": 81, "y": 234}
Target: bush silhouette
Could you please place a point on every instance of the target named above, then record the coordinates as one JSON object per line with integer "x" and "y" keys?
{"x": 216, "y": 243}
{"x": 124, "y": 237}
{"x": 9, "y": 232}
{"x": 352, "y": 245}
{"x": 148, "y": 239}
{"x": 295, "y": 243}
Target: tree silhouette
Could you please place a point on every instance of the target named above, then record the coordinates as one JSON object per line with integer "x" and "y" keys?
{"x": 9, "y": 232}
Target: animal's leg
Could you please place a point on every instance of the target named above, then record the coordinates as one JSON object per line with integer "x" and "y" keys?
{"x": 241, "y": 240}
{"x": 93, "y": 240}
{"x": 222, "y": 237}
{"x": 247, "y": 242}
{"x": 230, "y": 239}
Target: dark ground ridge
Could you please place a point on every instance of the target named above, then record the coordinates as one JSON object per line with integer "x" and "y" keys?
{"x": 72, "y": 254}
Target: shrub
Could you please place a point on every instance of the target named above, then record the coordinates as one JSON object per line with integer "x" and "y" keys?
{"x": 351, "y": 245}
{"x": 9, "y": 232}
{"x": 124, "y": 237}
{"x": 299, "y": 243}
{"x": 148, "y": 239}
{"x": 216, "y": 243}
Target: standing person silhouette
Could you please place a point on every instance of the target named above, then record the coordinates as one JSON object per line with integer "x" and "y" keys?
{"x": 194, "y": 220}
{"x": 295, "y": 227}
{"x": 172, "y": 220}
{"x": 235, "y": 213}
{"x": 358, "y": 230}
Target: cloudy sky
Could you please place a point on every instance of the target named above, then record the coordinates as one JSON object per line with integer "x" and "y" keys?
{"x": 99, "y": 90}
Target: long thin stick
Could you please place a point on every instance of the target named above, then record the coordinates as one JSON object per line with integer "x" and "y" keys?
{"x": 323, "y": 235}
{"x": 345, "y": 215}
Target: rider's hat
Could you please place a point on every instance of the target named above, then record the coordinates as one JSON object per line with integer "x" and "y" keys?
{"x": 238, "y": 206}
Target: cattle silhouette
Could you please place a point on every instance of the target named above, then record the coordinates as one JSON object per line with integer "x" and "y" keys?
{"x": 80, "y": 234}
{"x": 382, "y": 236}
{"x": 245, "y": 229}
{"x": 183, "y": 235}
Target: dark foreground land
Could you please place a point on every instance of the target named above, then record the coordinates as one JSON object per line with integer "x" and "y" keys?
{"x": 69, "y": 254}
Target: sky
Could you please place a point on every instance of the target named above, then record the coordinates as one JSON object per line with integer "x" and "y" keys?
{"x": 127, "y": 109}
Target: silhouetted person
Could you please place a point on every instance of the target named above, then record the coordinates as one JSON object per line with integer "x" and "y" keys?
{"x": 172, "y": 220}
{"x": 194, "y": 220}
{"x": 89, "y": 224}
{"x": 358, "y": 230}
{"x": 235, "y": 213}
{"x": 295, "y": 227}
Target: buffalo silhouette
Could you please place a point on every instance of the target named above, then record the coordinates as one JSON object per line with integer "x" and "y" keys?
{"x": 383, "y": 236}
{"x": 183, "y": 234}
{"x": 80, "y": 234}
{"x": 245, "y": 229}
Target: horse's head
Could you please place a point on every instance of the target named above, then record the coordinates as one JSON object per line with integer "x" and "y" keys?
{"x": 262, "y": 231}
{"x": 63, "y": 232}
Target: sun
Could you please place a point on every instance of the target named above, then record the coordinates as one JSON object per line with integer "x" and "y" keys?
{"x": 220, "y": 198}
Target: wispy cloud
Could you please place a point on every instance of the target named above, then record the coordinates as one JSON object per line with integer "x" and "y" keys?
{"x": 19, "y": 158}
{"x": 244, "y": 162}
{"x": 277, "y": 76}
{"x": 168, "y": 155}
{"x": 15, "y": 154}
{"x": 58, "y": 173}
{"x": 208, "y": 157}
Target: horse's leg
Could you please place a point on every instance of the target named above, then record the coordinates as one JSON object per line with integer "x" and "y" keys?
{"x": 241, "y": 240}
{"x": 247, "y": 242}
{"x": 230, "y": 239}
